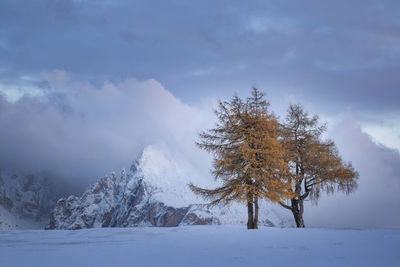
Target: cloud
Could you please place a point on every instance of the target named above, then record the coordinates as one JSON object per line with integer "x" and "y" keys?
{"x": 77, "y": 132}
{"x": 385, "y": 130}
{"x": 328, "y": 52}
{"x": 376, "y": 202}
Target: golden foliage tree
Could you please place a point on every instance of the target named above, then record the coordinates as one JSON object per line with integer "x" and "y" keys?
{"x": 248, "y": 158}
{"x": 315, "y": 164}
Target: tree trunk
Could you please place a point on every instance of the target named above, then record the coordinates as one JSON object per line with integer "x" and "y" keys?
{"x": 298, "y": 217}
{"x": 297, "y": 210}
{"x": 250, "y": 214}
{"x": 255, "y": 212}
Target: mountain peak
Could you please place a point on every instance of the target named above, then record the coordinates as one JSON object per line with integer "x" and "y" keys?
{"x": 154, "y": 192}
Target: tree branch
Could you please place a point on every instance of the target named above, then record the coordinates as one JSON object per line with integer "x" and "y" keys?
{"x": 285, "y": 206}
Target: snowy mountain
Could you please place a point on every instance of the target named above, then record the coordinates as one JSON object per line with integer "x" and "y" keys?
{"x": 153, "y": 192}
{"x": 25, "y": 201}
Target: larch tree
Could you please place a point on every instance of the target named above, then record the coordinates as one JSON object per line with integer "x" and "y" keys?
{"x": 248, "y": 158}
{"x": 314, "y": 163}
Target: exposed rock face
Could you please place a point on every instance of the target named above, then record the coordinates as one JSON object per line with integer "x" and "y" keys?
{"x": 153, "y": 192}
{"x": 25, "y": 201}
{"x": 122, "y": 201}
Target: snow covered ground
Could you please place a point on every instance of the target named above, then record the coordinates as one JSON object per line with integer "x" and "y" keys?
{"x": 200, "y": 246}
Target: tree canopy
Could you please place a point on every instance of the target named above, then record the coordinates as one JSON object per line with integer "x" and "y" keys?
{"x": 249, "y": 160}
{"x": 315, "y": 164}
{"x": 257, "y": 157}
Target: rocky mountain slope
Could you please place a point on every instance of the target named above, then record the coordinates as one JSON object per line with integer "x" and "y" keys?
{"x": 25, "y": 201}
{"x": 153, "y": 192}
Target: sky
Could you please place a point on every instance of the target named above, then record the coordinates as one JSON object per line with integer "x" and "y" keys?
{"x": 85, "y": 85}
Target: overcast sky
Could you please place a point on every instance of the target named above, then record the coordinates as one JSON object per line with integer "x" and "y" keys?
{"x": 85, "y": 85}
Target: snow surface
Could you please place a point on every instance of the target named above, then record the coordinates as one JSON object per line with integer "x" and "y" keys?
{"x": 170, "y": 176}
{"x": 200, "y": 246}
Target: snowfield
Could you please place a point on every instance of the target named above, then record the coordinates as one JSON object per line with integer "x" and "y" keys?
{"x": 200, "y": 246}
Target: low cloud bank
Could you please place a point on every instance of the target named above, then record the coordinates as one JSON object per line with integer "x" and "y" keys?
{"x": 75, "y": 132}
{"x": 376, "y": 202}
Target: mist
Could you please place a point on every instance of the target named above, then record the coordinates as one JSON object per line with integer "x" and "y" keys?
{"x": 376, "y": 201}
{"x": 74, "y": 132}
